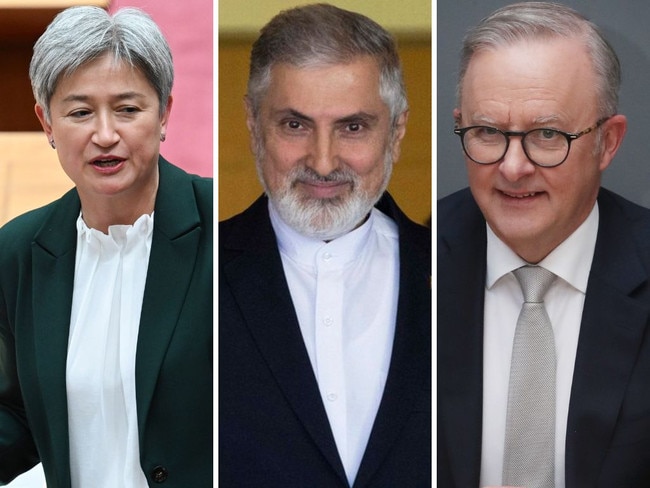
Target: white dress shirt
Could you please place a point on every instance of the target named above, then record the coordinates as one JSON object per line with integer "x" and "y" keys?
{"x": 110, "y": 273}
{"x": 345, "y": 296}
{"x": 571, "y": 262}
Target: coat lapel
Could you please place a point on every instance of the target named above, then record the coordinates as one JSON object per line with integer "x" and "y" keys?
{"x": 612, "y": 328}
{"x": 613, "y": 325}
{"x": 257, "y": 280}
{"x": 461, "y": 291}
{"x": 53, "y": 262}
{"x": 409, "y": 377}
{"x": 171, "y": 264}
{"x": 177, "y": 230}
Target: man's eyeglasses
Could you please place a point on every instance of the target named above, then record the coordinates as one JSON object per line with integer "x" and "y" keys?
{"x": 544, "y": 147}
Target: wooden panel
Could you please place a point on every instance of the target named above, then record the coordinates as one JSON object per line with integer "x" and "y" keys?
{"x": 30, "y": 174}
{"x": 27, "y": 19}
{"x": 21, "y": 24}
{"x": 238, "y": 184}
{"x": 16, "y": 98}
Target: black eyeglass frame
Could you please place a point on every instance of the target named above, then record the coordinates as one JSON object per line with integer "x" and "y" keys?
{"x": 570, "y": 137}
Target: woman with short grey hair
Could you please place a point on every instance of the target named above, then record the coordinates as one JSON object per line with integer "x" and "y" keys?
{"x": 106, "y": 293}
{"x": 85, "y": 33}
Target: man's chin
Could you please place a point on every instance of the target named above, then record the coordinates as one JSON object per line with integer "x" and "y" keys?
{"x": 334, "y": 202}
{"x": 324, "y": 227}
{"x": 322, "y": 218}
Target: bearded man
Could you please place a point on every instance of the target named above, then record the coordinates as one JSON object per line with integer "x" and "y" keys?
{"x": 324, "y": 284}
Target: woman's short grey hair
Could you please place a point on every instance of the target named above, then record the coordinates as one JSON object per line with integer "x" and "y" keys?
{"x": 82, "y": 34}
{"x": 541, "y": 20}
{"x": 320, "y": 35}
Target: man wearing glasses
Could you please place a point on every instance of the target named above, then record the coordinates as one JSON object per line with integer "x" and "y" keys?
{"x": 543, "y": 286}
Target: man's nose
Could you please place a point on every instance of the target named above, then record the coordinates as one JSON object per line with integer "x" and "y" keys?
{"x": 515, "y": 163}
{"x": 323, "y": 156}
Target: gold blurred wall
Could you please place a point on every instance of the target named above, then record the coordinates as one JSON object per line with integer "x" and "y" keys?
{"x": 239, "y": 23}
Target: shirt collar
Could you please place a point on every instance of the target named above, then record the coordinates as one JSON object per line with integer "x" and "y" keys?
{"x": 571, "y": 260}
{"x": 303, "y": 249}
{"x": 142, "y": 226}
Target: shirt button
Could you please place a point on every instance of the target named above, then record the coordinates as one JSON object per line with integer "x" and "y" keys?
{"x": 159, "y": 474}
{"x": 327, "y": 256}
{"x": 328, "y": 321}
{"x": 332, "y": 397}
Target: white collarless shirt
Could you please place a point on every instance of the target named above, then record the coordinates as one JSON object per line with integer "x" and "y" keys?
{"x": 571, "y": 262}
{"x": 110, "y": 273}
{"x": 345, "y": 296}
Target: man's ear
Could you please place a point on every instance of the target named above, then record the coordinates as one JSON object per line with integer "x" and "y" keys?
{"x": 613, "y": 132}
{"x": 251, "y": 124}
{"x": 457, "y": 118}
{"x": 398, "y": 135}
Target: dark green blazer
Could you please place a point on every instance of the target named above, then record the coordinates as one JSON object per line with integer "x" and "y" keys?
{"x": 174, "y": 351}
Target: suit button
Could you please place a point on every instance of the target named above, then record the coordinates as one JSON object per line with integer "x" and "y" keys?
{"x": 159, "y": 474}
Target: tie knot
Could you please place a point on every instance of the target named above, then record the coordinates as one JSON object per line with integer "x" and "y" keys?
{"x": 534, "y": 281}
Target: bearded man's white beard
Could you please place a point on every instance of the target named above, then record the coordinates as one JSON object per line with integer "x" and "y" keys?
{"x": 327, "y": 218}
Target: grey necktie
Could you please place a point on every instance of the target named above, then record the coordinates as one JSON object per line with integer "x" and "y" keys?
{"x": 529, "y": 456}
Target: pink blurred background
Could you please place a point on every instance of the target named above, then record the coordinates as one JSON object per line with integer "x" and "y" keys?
{"x": 187, "y": 25}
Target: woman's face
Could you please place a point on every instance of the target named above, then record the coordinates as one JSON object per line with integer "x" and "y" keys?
{"x": 106, "y": 125}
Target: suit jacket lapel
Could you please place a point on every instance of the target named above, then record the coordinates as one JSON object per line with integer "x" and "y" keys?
{"x": 613, "y": 322}
{"x": 461, "y": 278}
{"x": 53, "y": 262}
{"x": 258, "y": 284}
{"x": 410, "y": 370}
{"x": 170, "y": 268}
{"x": 171, "y": 263}
{"x": 612, "y": 328}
